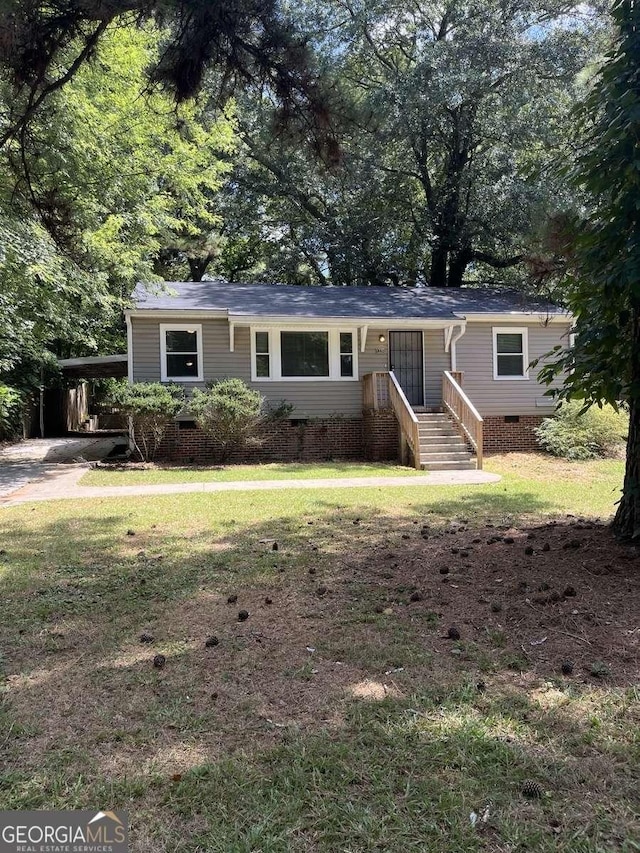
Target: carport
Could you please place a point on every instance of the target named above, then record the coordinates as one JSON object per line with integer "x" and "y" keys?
{"x": 76, "y": 408}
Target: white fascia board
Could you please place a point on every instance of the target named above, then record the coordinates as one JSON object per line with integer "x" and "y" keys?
{"x": 519, "y": 317}
{"x": 325, "y": 322}
{"x": 181, "y": 315}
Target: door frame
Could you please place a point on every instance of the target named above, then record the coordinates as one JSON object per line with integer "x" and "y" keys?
{"x": 421, "y": 333}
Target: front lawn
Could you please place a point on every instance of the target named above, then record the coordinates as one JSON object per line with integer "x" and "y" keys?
{"x": 153, "y": 474}
{"x": 339, "y": 715}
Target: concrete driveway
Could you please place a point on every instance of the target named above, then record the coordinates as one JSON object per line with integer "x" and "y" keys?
{"x": 38, "y": 458}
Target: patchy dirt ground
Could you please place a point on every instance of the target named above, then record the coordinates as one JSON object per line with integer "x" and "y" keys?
{"x": 504, "y": 604}
{"x": 546, "y": 595}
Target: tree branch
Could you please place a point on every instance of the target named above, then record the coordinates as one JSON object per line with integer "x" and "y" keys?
{"x": 35, "y": 102}
{"x": 495, "y": 262}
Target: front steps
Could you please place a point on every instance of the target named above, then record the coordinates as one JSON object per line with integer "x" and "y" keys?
{"x": 441, "y": 446}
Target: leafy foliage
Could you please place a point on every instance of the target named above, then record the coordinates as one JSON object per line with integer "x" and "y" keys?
{"x": 578, "y": 434}
{"x": 150, "y": 406}
{"x": 43, "y": 45}
{"x": 11, "y": 403}
{"x": 603, "y": 249}
{"x": 114, "y": 177}
{"x": 449, "y": 118}
{"x": 229, "y": 411}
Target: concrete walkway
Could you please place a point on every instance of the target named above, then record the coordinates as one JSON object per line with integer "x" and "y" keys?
{"x": 43, "y": 459}
{"x": 63, "y": 484}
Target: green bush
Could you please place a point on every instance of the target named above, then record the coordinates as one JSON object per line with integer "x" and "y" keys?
{"x": 150, "y": 407}
{"x": 11, "y": 403}
{"x": 229, "y": 411}
{"x": 575, "y": 434}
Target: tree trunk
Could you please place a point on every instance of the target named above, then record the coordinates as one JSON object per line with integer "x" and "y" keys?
{"x": 438, "y": 272}
{"x": 626, "y": 523}
{"x": 458, "y": 263}
{"x": 198, "y": 266}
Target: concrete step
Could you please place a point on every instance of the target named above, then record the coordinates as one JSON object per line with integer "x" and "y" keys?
{"x": 441, "y": 436}
{"x": 449, "y": 466}
{"x": 444, "y": 454}
{"x": 437, "y": 428}
{"x": 442, "y": 447}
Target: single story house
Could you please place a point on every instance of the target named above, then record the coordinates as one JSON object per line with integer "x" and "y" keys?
{"x": 443, "y": 374}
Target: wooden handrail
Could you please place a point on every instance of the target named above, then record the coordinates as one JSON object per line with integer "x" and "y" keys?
{"x": 406, "y": 418}
{"x": 464, "y": 413}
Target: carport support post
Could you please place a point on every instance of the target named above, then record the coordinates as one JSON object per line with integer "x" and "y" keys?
{"x": 42, "y": 402}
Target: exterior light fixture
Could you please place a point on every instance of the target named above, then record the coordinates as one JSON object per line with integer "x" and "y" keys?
{"x": 382, "y": 339}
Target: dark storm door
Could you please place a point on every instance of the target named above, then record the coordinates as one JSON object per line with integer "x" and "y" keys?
{"x": 405, "y": 359}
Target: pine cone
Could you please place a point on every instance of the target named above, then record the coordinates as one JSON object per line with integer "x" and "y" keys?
{"x": 531, "y": 790}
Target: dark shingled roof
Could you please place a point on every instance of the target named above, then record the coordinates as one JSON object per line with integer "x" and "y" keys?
{"x": 349, "y": 302}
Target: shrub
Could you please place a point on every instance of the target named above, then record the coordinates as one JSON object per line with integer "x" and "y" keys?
{"x": 11, "y": 403}
{"x": 150, "y": 406}
{"x": 575, "y": 434}
{"x": 229, "y": 411}
{"x": 280, "y": 411}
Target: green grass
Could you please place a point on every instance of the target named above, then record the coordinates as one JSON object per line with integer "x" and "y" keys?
{"x": 222, "y": 474}
{"x": 263, "y": 745}
{"x": 531, "y": 485}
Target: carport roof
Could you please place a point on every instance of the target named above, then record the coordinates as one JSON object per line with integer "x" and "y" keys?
{"x": 95, "y": 367}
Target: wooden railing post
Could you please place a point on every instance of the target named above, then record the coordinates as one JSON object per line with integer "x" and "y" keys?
{"x": 463, "y": 412}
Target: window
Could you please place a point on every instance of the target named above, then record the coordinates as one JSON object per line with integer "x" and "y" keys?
{"x": 263, "y": 359}
{"x": 346, "y": 354}
{"x": 181, "y": 353}
{"x": 510, "y": 357}
{"x": 304, "y": 353}
{"x": 289, "y": 354}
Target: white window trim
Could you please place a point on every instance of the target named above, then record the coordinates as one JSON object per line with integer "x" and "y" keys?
{"x": 180, "y": 327}
{"x": 511, "y": 330}
{"x": 275, "y": 357}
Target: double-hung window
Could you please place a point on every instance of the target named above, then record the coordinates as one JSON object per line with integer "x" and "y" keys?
{"x": 181, "y": 352}
{"x": 303, "y": 354}
{"x": 510, "y": 353}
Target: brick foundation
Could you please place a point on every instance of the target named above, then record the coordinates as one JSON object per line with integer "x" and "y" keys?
{"x": 380, "y": 435}
{"x": 502, "y": 437}
{"x": 373, "y": 437}
{"x": 285, "y": 441}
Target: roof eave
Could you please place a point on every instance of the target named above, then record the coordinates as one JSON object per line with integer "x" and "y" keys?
{"x": 274, "y": 319}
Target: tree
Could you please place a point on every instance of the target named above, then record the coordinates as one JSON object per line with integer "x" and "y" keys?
{"x": 603, "y": 290}
{"x": 45, "y": 43}
{"x": 449, "y": 117}
{"x": 101, "y": 182}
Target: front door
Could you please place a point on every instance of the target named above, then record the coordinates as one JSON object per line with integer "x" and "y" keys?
{"x": 405, "y": 359}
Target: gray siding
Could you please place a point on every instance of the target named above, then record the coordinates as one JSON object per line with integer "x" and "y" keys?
{"x": 474, "y": 353}
{"x": 311, "y": 399}
{"x": 436, "y": 361}
{"x": 325, "y": 398}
